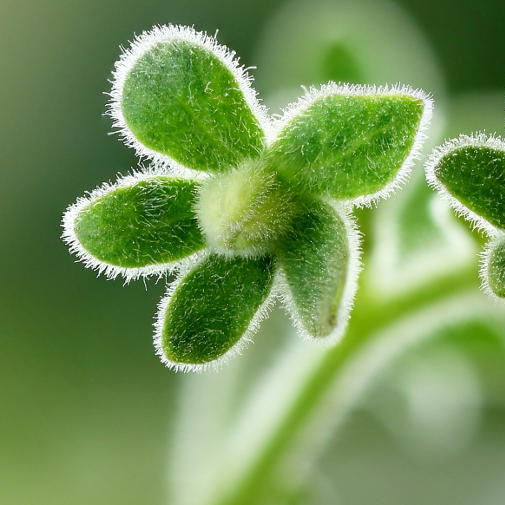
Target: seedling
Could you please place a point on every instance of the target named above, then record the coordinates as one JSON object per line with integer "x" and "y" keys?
{"x": 244, "y": 208}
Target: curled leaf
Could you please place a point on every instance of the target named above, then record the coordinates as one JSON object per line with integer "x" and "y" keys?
{"x": 319, "y": 258}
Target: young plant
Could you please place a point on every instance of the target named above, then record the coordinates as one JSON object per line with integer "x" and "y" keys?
{"x": 470, "y": 173}
{"x": 245, "y": 208}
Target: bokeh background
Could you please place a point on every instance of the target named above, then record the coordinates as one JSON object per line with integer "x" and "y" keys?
{"x": 87, "y": 412}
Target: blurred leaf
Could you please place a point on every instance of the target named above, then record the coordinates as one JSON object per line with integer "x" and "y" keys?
{"x": 496, "y": 268}
{"x": 475, "y": 111}
{"x": 370, "y": 42}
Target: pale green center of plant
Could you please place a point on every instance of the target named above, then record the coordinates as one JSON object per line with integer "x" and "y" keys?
{"x": 242, "y": 211}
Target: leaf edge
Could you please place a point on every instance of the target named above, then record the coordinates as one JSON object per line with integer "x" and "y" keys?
{"x": 355, "y": 267}
{"x": 143, "y": 43}
{"x": 477, "y": 139}
{"x": 109, "y": 271}
{"x": 485, "y": 258}
{"x": 236, "y": 349}
{"x": 314, "y": 93}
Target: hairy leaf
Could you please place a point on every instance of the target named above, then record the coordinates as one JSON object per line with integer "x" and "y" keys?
{"x": 147, "y": 223}
{"x": 496, "y": 269}
{"x": 347, "y": 145}
{"x": 315, "y": 259}
{"x": 475, "y": 176}
{"x": 180, "y": 99}
{"x": 212, "y": 307}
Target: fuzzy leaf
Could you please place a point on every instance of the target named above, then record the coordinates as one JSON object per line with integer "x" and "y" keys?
{"x": 349, "y": 145}
{"x": 496, "y": 269}
{"x": 148, "y": 223}
{"x": 315, "y": 259}
{"x": 475, "y": 176}
{"x": 181, "y": 100}
{"x": 212, "y": 307}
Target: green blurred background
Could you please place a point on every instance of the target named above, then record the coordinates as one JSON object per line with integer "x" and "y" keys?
{"x": 87, "y": 410}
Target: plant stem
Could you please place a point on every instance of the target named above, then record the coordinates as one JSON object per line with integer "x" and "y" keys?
{"x": 372, "y": 315}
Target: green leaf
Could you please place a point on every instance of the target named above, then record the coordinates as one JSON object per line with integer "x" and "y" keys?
{"x": 136, "y": 224}
{"x": 496, "y": 267}
{"x": 350, "y": 142}
{"x": 178, "y": 93}
{"x": 318, "y": 259}
{"x": 211, "y": 309}
{"x": 471, "y": 170}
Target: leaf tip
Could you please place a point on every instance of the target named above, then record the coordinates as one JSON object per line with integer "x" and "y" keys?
{"x": 143, "y": 43}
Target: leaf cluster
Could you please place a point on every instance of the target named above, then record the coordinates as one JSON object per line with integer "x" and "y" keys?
{"x": 245, "y": 208}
